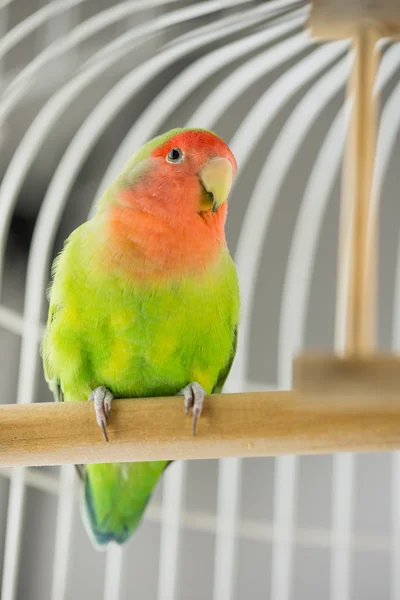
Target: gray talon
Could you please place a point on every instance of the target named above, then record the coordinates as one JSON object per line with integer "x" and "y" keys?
{"x": 102, "y": 398}
{"x": 194, "y": 398}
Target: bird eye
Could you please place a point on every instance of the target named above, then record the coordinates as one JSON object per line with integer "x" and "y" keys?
{"x": 175, "y": 155}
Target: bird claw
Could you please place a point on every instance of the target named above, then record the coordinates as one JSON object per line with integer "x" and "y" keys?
{"x": 194, "y": 398}
{"x": 102, "y": 398}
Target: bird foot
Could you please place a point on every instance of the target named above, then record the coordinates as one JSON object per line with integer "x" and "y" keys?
{"x": 102, "y": 398}
{"x": 194, "y": 398}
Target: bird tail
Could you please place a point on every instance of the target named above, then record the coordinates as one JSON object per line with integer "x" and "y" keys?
{"x": 115, "y": 497}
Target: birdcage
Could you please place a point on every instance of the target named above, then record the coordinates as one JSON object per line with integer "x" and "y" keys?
{"x": 84, "y": 83}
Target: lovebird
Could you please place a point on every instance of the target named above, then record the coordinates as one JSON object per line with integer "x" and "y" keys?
{"x": 144, "y": 301}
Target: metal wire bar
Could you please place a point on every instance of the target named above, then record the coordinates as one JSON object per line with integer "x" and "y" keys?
{"x": 5, "y": 3}
{"x": 273, "y": 172}
{"x": 152, "y": 117}
{"x": 26, "y": 27}
{"x": 199, "y": 10}
{"x": 245, "y": 138}
{"x": 344, "y": 466}
{"x": 172, "y": 510}
{"x": 14, "y": 322}
{"x": 17, "y": 88}
{"x": 248, "y": 529}
{"x": 390, "y": 125}
{"x": 15, "y": 516}
{"x": 249, "y": 132}
{"x": 65, "y": 515}
{"x": 113, "y": 573}
{"x": 3, "y": 30}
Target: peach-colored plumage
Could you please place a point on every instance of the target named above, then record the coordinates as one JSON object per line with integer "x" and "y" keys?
{"x": 148, "y": 219}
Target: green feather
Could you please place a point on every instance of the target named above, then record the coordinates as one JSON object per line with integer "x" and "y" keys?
{"x": 138, "y": 340}
{"x": 116, "y": 497}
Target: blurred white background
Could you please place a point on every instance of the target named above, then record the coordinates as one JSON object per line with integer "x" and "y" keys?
{"x": 83, "y": 83}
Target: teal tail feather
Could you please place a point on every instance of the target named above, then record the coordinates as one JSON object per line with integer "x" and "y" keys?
{"x": 115, "y": 498}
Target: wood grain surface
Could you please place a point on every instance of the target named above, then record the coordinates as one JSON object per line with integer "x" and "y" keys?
{"x": 252, "y": 424}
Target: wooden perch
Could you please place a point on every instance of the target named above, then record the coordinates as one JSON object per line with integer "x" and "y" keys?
{"x": 340, "y": 19}
{"x": 251, "y": 424}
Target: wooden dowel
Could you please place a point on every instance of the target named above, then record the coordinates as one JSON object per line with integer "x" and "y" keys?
{"x": 357, "y": 217}
{"x": 340, "y": 19}
{"x": 370, "y": 381}
{"x": 251, "y": 424}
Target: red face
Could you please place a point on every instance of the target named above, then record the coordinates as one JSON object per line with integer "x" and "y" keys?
{"x": 190, "y": 174}
{"x": 178, "y": 201}
{"x": 192, "y": 150}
